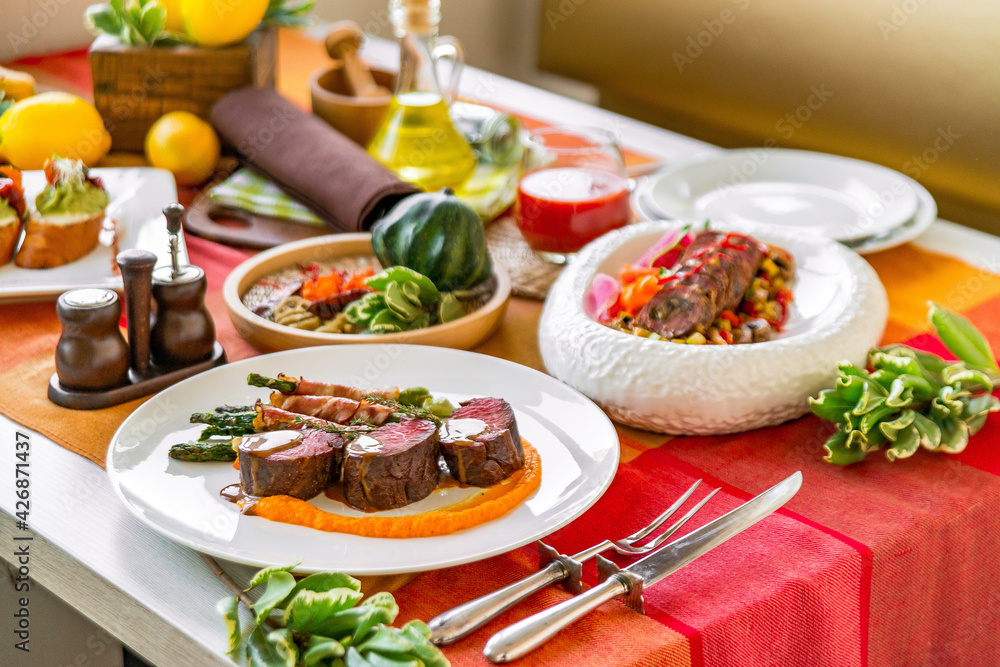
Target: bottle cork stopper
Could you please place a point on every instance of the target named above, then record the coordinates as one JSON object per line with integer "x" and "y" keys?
{"x": 415, "y": 15}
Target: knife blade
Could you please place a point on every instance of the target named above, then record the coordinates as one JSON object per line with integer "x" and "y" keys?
{"x": 530, "y": 633}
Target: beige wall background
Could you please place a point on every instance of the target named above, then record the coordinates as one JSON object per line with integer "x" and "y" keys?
{"x": 30, "y": 27}
{"x": 911, "y": 84}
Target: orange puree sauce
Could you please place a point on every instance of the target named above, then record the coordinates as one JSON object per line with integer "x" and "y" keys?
{"x": 493, "y": 503}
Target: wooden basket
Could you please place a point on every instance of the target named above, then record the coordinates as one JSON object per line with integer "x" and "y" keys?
{"x": 134, "y": 86}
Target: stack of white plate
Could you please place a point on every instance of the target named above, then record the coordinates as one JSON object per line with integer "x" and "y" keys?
{"x": 865, "y": 206}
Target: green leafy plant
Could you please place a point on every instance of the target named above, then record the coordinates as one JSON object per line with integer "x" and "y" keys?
{"x": 405, "y": 300}
{"x": 911, "y": 399}
{"x": 133, "y": 22}
{"x": 324, "y": 620}
{"x": 141, "y": 22}
{"x": 290, "y": 13}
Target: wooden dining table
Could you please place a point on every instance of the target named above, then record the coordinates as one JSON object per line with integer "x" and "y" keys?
{"x": 880, "y": 563}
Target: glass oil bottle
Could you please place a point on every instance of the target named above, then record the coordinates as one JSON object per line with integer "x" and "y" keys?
{"x": 417, "y": 139}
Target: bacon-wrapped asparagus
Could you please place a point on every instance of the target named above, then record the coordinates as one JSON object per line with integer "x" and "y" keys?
{"x": 287, "y": 384}
{"x": 333, "y": 408}
{"x": 270, "y": 418}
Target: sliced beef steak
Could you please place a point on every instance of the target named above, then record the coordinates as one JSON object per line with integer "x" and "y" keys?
{"x": 301, "y": 463}
{"x": 712, "y": 276}
{"x": 480, "y": 442}
{"x": 392, "y": 466}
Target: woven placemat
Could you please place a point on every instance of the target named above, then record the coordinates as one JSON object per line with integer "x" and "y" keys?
{"x": 530, "y": 276}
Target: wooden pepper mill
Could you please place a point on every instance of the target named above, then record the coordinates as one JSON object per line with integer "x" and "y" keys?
{"x": 91, "y": 354}
{"x": 183, "y": 331}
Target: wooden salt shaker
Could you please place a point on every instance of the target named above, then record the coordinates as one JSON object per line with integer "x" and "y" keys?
{"x": 183, "y": 331}
{"x": 91, "y": 354}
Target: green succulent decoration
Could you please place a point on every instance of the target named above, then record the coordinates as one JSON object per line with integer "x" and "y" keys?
{"x": 405, "y": 300}
{"x": 133, "y": 22}
{"x": 323, "y": 621}
{"x": 911, "y": 399}
{"x": 290, "y": 13}
{"x": 142, "y": 22}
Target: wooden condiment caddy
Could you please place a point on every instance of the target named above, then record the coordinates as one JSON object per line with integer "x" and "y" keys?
{"x": 96, "y": 368}
{"x": 134, "y": 86}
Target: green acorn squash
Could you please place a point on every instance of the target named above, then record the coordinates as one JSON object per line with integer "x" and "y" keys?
{"x": 435, "y": 234}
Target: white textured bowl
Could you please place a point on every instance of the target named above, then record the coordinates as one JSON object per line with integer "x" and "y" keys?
{"x": 838, "y": 313}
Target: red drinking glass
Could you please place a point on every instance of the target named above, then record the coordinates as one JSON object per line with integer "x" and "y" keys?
{"x": 573, "y": 188}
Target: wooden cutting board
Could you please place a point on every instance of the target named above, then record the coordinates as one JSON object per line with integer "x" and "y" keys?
{"x": 236, "y": 227}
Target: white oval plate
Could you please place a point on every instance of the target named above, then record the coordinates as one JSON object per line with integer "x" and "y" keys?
{"x": 839, "y": 311}
{"x": 577, "y": 443}
{"x": 837, "y": 197}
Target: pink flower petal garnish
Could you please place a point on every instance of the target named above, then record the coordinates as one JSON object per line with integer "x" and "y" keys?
{"x": 601, "y": 298}
{"x": 668, "y": 249}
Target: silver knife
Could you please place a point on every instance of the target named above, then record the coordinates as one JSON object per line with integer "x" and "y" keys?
{"x": 527, "y": 635}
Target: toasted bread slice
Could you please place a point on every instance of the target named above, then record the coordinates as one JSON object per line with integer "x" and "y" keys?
{"x": 10, "y": 232}
{"x": 52, "y": 242}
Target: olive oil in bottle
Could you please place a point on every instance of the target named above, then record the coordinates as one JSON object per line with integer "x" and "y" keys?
{"x": 417, "y": 139}
{"x": 419, "y": 142}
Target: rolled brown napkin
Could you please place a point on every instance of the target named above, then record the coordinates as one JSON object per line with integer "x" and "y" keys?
{"x": 310, "y": 160}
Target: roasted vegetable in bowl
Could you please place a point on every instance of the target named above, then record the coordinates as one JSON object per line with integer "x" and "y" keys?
{"x": 355, "y": 298}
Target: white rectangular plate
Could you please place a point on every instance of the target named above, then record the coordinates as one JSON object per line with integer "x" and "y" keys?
{"x": 138, "y": 195}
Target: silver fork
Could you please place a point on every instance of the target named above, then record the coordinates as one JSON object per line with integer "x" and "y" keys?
{"x": 456, "y": 623}
{"x": 625, "y": 546}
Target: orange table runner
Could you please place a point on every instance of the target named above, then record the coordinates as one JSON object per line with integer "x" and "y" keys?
{"x": 877, "y": 563}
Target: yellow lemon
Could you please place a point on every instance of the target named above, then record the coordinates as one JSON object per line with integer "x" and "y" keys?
{"x": 221, "y": 22}
{"x": 175, "y": 19}
{"x": 54, "y": 123}
{"x": 185, "y": 145}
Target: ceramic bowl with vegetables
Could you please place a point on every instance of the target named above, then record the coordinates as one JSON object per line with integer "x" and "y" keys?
{"x": 686, "y": 330}
{"x": 423, "y": 276}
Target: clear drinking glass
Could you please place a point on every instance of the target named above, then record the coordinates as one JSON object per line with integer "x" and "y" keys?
{"x": 573, "y": 188}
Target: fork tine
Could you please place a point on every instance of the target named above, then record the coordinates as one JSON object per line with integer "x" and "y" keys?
{"x": 660, "y": 539}
{"x": 658, "y": 521}
{"x": 601, "y": 547}
{"x": 626, "y": 548}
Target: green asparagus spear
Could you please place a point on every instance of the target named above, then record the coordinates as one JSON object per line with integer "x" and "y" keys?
{"x": 234, "y": 408}
{"x": 239, "y": 420}
{"x": 229, "y": 424}
{"x": 223, "y": 431}
{"x": 284, "y": 386}
{"x": 199, "y": 452}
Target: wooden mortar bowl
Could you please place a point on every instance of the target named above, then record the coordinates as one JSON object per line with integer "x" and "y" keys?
{"x": 355, "y": 117}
